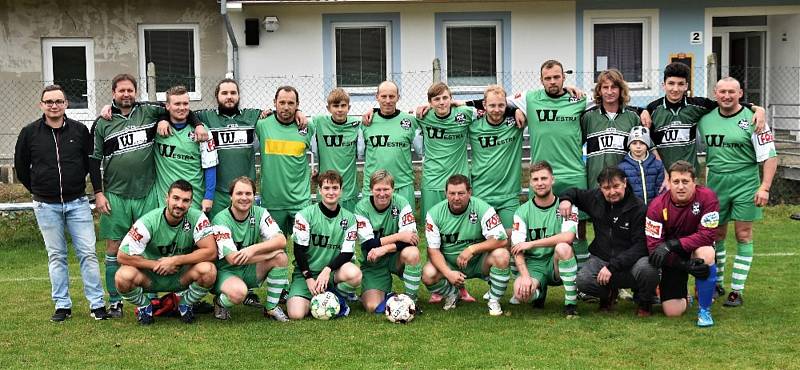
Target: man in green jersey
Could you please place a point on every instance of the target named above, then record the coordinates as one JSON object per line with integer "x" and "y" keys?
{"x": 541, "y": 240}
{"x": 285, "y": 172}
{"x": 734, "y": 150}
{"x": 168, "y": 249}
{"x": 465, "y": 240}
{"x": 388, "y": 139}
{"x": 388, "y": 231}
{"x": 324, "y": 239}
{"x": 251, "y": 250}
{"x": 555, "y": 136}
{"x": 179, "y": 156}
{"x": 123, "y": 142}
{"x": 336, "y": 136}
{"x": 606, "y": 125}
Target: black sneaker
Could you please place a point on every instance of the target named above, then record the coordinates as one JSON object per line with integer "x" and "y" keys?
{"x": 61, "y": 314}
{"x": 202, "y": 307}
{"x": 252, "y": 300}
{"x": 571, "y": 311}
{"x": 734, "y": 299}
{"x": 719, "y": 291}
{"x": 99, "y": 313}
{"x": 115, "y": 310}
{"x": 187, "y": 314}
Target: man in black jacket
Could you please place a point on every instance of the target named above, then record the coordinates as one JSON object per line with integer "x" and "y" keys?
{"x": 52, "y": 159}
{"x": 619, "y": 250}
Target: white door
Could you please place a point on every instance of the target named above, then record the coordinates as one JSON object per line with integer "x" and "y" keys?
{"x": 69, "y": 62}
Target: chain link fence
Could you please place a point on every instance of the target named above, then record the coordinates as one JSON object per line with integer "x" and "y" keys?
{"x": 775, "y": 88}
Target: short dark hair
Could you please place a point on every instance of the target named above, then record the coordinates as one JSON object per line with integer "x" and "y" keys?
{"x": 242, "y": 179}
{"x": 437, "y": 89}
{"x": 53, "y": 87}
{"x": 123, "y": 77}
{"x": 331, "y": 176}
{"x": 225, "y": 81}
{"x": 458, "y": 179}
{"x": 682, "y": 166}
{"x": 181, "y": 185}
{"x": 176, "y": 90}
{"x": 550, "y": 64}
{"x": 289, "y": 89}
{"x": 609, "y": 173}
{"x": 541, "y": 165}
{"x": 677, "y": 69}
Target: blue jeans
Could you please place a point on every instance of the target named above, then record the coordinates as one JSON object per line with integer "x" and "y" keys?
{"x": 77, "y": 217}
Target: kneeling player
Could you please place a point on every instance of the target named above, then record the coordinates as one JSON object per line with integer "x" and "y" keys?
{"x": 541, "y": 240}
{"x": 680, "y": 229}
{"x": 251, "y": 249}
{"x": 167, "y": 250}
{"x": 465, "y": 240}
{"x": 324, "y": 237}
{"x": 386, "y": 222}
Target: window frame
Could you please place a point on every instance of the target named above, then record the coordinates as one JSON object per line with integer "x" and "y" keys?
{"x": 498, "y": 25}
{"x": 648, "y": 18}
{"x": 47, "y": 71}
{"x": 160, "y": 95}
{"x": 387, "y": 25}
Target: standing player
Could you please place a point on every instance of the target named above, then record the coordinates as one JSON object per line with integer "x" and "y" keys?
{"x": 324, "y": 240}
{"x": 680, "y": 235}
{"x": 606, "y": 125}
{"x": 336, "y": 144}
{"x": 734, "y": 151}
{"x": 251, "y": 250}
{"x": 386, "y": 221}
{"x": 465, "y": 240}
{"x": 541, "y": 240}
{"x": 181, "y": 157}
{"x": 123, "y": 142}
{"x": 285, "y": 173}
{"x": 388, "y": 140}
{"x": 169, "y": 249}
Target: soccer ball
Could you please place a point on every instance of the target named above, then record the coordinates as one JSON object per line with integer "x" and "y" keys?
{"x": 324, "y": 306}
{"x": 400, "y": 309}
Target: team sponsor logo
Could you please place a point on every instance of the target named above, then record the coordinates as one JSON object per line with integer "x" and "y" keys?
{"x": 333, "y": 140}
{"x": 473, "y": 217}
{"x": 361, "y": 224}
{"x": 765, "y": 138}
{"x": 379, "y": 140}
{"x": 449, "y": 238}
{"x": 428, "y": 227}
{"x": 574, "y": 99}
{"x": 405, "y": 124}
{"x": 202, "y": 225}
{"x": 319, "y": 240}
{"x": 435, "y": 132}
{"x": 408, "y": 218}
{"x": 351, "y": 235}
{"x": 511, "y": 121}
{"x": 652, "y": 228}
{"x": 461, "y": 118}
{"x": 132, "y": 139}
{"x": 572, "y": 217}
{"x": 487, "y": 141}
{"x": 493, "y": 221}
{"x": 222, "y": 236}
{"x": 537, "y": 233}
{"x": 395, "y": 212}
{"x": 135, "y": 234}
{"x": 210, "y": 145}
{"x": 299, "y": 226}
{"x": 343, "y": 224}
{"x": 696, "y": 208}
{"x": 744, "y": 124}
{"x": 302, "y": 131}
{"x": 710, "y": 220}
{"x": 714, "y": 140}
{"x": 546, "y": 114}
{"x": 270, "y": 220}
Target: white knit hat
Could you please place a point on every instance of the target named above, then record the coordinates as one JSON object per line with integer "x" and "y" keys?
{"x": 640, "y": 133}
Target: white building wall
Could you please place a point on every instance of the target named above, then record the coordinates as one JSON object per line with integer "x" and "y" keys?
{"x": 784, "y": 71}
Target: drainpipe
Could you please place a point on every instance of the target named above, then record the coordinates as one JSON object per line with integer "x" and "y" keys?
{"x": 235, "y": 45}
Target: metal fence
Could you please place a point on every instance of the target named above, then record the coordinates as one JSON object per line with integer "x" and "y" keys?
{"x": 775, "y": 88}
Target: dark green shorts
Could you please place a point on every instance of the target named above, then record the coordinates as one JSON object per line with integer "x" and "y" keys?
{"x": 736, "y": 192}
{"x": 543, "y": 270}
{"x": 474, "y": 268}
{"x": 299, "y": 288}
{"x": 247, "y": 273}
{"x": 379, "y": 275}
{"x": 165, "y": 283}
{"x": 124, "y": 212}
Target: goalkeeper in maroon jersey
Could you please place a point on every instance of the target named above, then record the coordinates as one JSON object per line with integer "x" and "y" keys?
{"x": 680, "y": 229}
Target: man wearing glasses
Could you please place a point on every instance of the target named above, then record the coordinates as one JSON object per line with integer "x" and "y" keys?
{"x": 52, "y": 159}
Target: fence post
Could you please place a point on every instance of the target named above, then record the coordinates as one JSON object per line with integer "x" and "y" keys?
{"x": 437, "y": 70}
{"x": 151, "y": 81}
{"x": 711, "y": 74}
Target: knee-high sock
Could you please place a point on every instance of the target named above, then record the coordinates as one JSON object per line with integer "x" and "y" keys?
{"x": 411, "y": 279}
{"x": 277, "y": 282}
{"x": 442, "y": 287}
{"x": 111, "y": 270}
{"x": 580, "y": 248}
{"x": 137, "y": 297}
{"x": 225, "y": 301}
{"x": 705, "y": 288}
{"x": 193, "y": 294}
{"x": 498, "y": 282}
{"x": 568, "y": 271}
{"x": 722, "y": 257}
{"x": 741, "y": 265}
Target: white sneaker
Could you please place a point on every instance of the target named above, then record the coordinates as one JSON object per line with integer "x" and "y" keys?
{"x": 514, "y": 300}
{"x": 276, "y": 314}
{"x": 494, "y": 308}
{"x": 450, "y": 301}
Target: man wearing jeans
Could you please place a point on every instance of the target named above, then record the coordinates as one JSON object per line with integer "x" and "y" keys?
{"x": 52, "y": 160}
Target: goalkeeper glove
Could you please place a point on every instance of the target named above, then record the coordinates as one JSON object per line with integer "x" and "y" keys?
{"x": 659, "y": 255}
{"x": 697, "y": 268}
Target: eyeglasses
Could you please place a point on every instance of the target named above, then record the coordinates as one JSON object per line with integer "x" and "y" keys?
{"x": 51, "y": 103}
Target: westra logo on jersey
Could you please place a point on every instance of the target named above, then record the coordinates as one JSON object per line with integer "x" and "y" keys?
{"x": 551, "y": 115}
{"x": 537, "y": 233}
{"x": 714, "y": 140}
{"x": 383, "y": 141}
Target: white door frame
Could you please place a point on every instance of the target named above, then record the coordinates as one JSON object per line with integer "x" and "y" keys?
{"x": 88, "y": 113}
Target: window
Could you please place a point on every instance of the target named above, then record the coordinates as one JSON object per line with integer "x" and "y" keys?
{"x": 472, "y": 53}
{"x": 362, "y": 54}
{"x": 70, "y": 63}
{"x": 173, "y": 49}
{"x": 629, "y": 44}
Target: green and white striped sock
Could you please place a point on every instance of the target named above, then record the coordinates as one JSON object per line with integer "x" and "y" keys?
{"x": 277, "y": 282}
{"x": 498, "y": 282}
{"x": 136, "y": 296}
{"x": 722, "y": 257}
{"x": 741, "y": 265}
{"x": 193, "y": 294}
{"x": 568, "y": 271}
{"x": 411, "y": 279}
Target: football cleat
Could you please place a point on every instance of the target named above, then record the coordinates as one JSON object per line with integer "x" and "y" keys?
{"x": 115, "y": 310}
{"x": 435, "y": 298}
{"x": 719, "y": 291}
{"x": 144, "y": 314}
{"x": 571, "y": 311}
{"x": 704, "y": 319}
{"x": 202, "y": 307}
{"x": 187, "y": 314}
{"x": 450, "y": 301}
{"x": 587, "y": 298}
{"x": 465, "y": 295}
{"x": 734, "y": 299}
{"x": 381, "y": 308}
{"x": 251, "y": 299}
{"x": 494, "y": 308}
{"x": 220, "y": 312}
{"x": 99, "y": 313}
{"x": 276, "y": 314}
{"x": 61, "y": 314}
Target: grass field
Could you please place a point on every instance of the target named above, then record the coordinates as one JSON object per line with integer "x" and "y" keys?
{"x": 761, "y": 334}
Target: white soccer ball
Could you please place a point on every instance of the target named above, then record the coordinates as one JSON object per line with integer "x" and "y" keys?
{"x": 400, "y": 309}
{"x": 324, "y": 306}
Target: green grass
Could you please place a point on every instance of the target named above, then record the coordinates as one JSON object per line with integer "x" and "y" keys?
{"x": 761, "y": 334}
